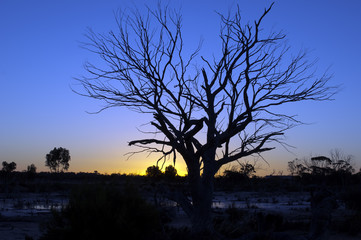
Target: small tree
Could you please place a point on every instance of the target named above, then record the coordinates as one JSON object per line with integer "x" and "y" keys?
{"x": 341, "y": 162}
{"x": 8, "y": 167}
{"x": 243, "y": 171}
{"x": 31, "y": 169}
{"x": 170, "y": 172}
{"x": 247, "y": 169}
{"x": 58, "y": 159}
{"x": 296, "y": 167}
{"x": 233, "y": 174}
{"x": 153, "y": 172}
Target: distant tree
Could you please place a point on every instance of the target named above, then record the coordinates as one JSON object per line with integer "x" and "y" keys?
{"x": 170, "y": 172}
{"x": 31, "y": 169}
{"x": 247, "y": 169}
{"x": 58, "y": 159}
{"x": 210, "y": 112}
{"x": 320, "y": 165}
{"x": 291, "y": 166}
{"x": 296, "y": 167}
{"x": 338, "y": 163}
{"x": 153, "y": 172}
{"x": 341, "y": 162}
{"x": 8, "y": 167}
{"x": 243, "y": 171}
{"x": 233, "y": 174}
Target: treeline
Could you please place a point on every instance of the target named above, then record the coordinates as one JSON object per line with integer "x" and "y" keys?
{"x": 304, "y": 174}
{"x": 334, "y": 170}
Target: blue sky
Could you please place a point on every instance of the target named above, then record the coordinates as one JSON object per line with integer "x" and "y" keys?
{"x": 40, "y": 55}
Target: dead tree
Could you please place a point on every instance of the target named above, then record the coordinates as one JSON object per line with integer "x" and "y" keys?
{"x": 209, "y": 115}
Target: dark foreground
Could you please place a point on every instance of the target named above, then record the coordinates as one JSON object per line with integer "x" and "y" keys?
{"x": 93, "y": 206}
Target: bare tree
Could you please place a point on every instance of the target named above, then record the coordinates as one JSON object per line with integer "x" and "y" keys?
{"x": 298, "y": 167}
{"x": 210, "y": 116}
{"x": 341, "y": 162}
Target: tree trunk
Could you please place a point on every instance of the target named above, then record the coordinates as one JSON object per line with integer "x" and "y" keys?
{"x": 202, "y": 206}
{"x": 202, "y": 198}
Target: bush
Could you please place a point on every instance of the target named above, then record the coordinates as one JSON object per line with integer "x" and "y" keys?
{"x": 154, "y": 172}
{"x": 8, "y": 167}
{"x": 352, "y": 199}
{"x": 170, "y": 172}
{"x": 97, "y": 212}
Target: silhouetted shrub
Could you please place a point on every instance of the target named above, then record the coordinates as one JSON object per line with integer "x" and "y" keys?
{"x": 97, "y": 212}
{"x": 352, "y": 199}
{"x": 244, "y": 171}
{"x": 8, "y": 167}
{"x": 31, "y": 169}
{"x": 154, "y": 172}
{"x": 234, "y": 213}
{"x": 230, "y": 225}
{"x": 170, "y": 172}
{"x": 350, "y": 225}
{"x": 234, "y": 176}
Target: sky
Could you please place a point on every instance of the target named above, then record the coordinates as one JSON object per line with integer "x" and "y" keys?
{"x": 40, "y": 55}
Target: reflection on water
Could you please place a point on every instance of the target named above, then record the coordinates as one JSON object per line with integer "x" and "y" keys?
{"x": 245, "y": 200}
{"x": 248, "y": 200}
{"x": 30, "y": 204}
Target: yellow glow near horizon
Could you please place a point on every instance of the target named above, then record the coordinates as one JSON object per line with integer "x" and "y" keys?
{"x": 141, "y": 172}
{"x": 137, "y": 165}
{"x": 115, "y": 162}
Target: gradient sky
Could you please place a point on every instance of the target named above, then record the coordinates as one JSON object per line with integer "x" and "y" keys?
{"x": 40, "y": 56}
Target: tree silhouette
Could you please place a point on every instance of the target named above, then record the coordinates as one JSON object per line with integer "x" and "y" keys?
{"x": 170, "y": 172}
{"x": 58, "y": 159}
{"x": 211, "y": 115}
{"x": 338, "y": 163}
{"x": 8, "y": 167}
{"x": 247, "y": 169}
{"x": 244, "y": 171}
{"x": 153, "y": 172}
{"x": 31, "y": 169}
